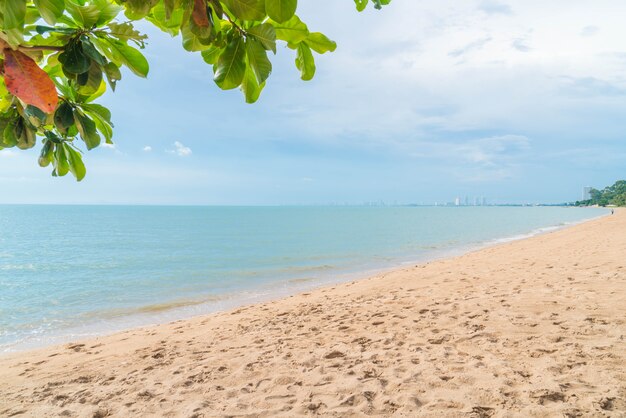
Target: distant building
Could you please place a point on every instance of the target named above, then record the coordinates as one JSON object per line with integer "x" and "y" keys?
{"x": 484, "y": 201}
{"x": 587, "y": 193}
{"x": 457, "y": 201}
{"x": 467, "y": 201}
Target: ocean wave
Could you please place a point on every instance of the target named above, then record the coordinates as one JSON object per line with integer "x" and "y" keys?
{"x": 301, "y": 280}
{"x": 150, "y": 309}
{"x": 291, "y": 270}
{"x": 9, "y": 267}
{"x": 540, "y": 231}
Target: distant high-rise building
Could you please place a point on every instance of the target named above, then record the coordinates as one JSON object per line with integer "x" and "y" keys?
{"x": 587, "y": 193}
{"x": 476, "y": 201}
{"x": 457, "y": 201}
{"x": 484, "y": 201}
{"x": 467, "y": 201}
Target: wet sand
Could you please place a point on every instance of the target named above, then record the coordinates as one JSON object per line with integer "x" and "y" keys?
{"x": 532, "y": 328}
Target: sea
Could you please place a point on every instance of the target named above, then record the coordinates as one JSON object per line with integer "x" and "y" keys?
{"x": 71, "y": 272}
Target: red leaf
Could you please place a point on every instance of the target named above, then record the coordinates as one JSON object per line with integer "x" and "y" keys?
{"x": 25, "y": 80}
{"x": 199, "y": 14}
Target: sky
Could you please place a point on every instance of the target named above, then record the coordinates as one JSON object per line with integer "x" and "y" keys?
{"x": 514, "y": 100}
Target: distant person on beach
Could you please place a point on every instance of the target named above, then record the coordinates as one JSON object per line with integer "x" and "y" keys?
{"x": 612, "y": 211}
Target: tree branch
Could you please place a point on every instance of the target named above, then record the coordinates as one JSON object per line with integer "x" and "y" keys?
{"x": 26, "y": 48}
{"x": 40, "y": 48}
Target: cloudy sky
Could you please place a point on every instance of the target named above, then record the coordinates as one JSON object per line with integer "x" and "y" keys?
{"x": 515, "y": 100}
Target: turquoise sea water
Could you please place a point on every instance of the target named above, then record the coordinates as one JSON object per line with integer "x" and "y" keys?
{"x": 68, "y": 272}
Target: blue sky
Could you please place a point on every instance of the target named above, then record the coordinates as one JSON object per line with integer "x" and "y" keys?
{"x": 518, "y": 101}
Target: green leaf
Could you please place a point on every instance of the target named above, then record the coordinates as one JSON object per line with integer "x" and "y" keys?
{"x": 50, "y": 10}
{"x": 320, "y": 43}
{"x": 90, "y": 97}
{"x": 246, "y": 9}
{"x": 6, "y": 100}
{"x": 292, "y": 31}
{"x": 266, "y": 34}
{"x": 90, "y": 51}
{"x": 191, "y": 42}
{"x": 251, "y": 87}
{"x": 57, "y": 29}
{"x": 258, "y": 61}
{"x": 113, "y": 74}
{"x": 120, "y": 53}
{"x": 102, "y": 118}
{"x": 126, "y": 32}
{"x": 99, "y": 110}
{"x": 85, "y": 16}
{"x": 63, "y": 117}
{"x": 204, "y": 32}
{"x": 167, "y": 16}
{"x": 25, "y": 137}
{"x": 9, "y": 138}
{"x": 211, "y": 55}
{"x": 169, "y": 8}
{"x": 92, "y": 82}
{"x": 378, "y": 4}
{"x": 87, "y": 129}
{"x": 75, "y": 162}
{"x": 27, "y": 140}
{"x": 108, "y": 11}
{"x": 361, "y": 4}
{"x": 61, "y": 166}
{"x": 231, "y": 65}
{"x": 73, "y": 59}
{"x": 34, "y": 116}
{"x": 281, "y": 10}
{"x": 138, "y": 9}
{"x": 13, "y": 21}
{"x": 45, "y": 157}
{"x": 305, "y": 62}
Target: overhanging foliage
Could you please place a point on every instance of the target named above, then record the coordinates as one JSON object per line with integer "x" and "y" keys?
{"x": 59, "y": 56}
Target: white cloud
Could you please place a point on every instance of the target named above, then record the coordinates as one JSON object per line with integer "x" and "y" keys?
{"x": 454, "y": 67}
{"x": 520, "y": 44}
{"x": 494, "y": 151}
{"x": 112, "y": 147}
{"x": 589, "y": 30}
{"x": 180, "y": 150}
{"x": 495, "y": 7}
{"x": 147, "y": 148}
{"x": 477, "y": 160}
{"x": 472, "y": 46}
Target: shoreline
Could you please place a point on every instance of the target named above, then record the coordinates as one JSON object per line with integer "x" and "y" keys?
{"x": 146, "y": 316}
{"x": 534, "y": 327}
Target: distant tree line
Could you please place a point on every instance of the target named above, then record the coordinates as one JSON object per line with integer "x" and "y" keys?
{"x": 611, "y": 195}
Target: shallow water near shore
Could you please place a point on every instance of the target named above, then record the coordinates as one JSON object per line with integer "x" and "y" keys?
{"x": 69, "y": 272}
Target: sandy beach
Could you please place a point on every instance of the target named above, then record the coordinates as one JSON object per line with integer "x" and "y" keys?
{"x": 532, "y": 328}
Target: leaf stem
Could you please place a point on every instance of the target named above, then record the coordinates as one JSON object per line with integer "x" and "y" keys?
{"x": 232, "y": 22}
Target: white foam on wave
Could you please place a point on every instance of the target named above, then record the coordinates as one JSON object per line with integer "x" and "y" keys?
{"x": 17, "y": 267}
{"x": 542, "y": 230}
